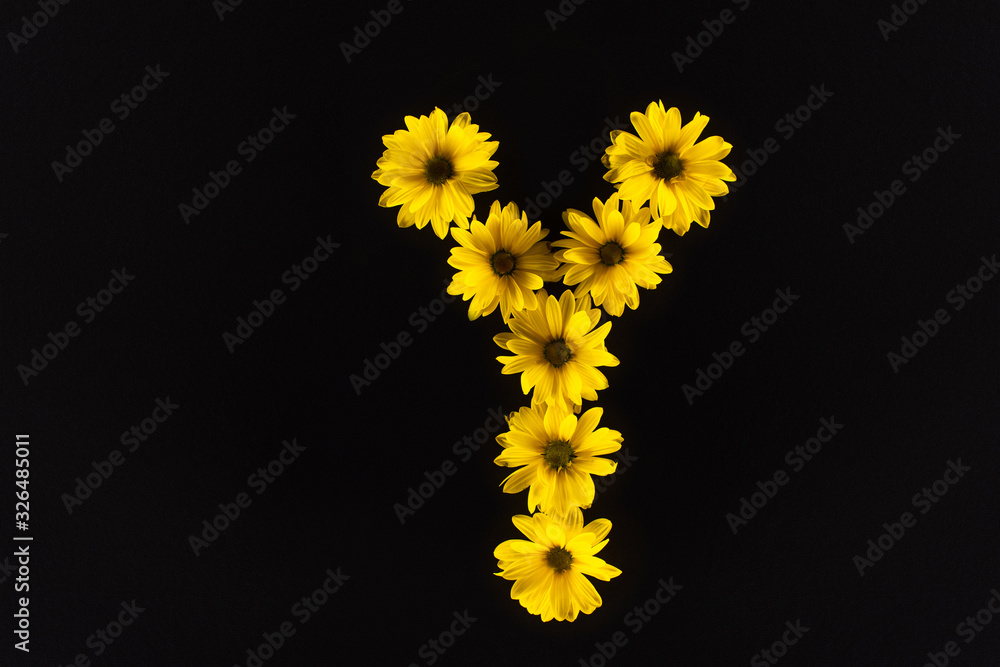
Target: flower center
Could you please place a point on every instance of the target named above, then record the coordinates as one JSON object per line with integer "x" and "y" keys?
{"x": 557, "y": 352}
{"x": 438, "y": 170}
{"x": 667, "y": 165}
{"x": 558, "y": 454}
{"x": 502, "y": 262}
{"x": 559, "y": 559}
{"x": 611, "y": 253}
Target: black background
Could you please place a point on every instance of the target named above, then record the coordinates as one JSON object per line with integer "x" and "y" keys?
{"x": 333, "y": 507}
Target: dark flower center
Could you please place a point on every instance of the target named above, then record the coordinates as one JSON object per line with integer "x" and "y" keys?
{"x": 611, "y": 253}
{"x": 438, "y": 170}
{"x": 557, "y": 352}
{"x": 502, "y": 262}
{"x": 668, "y": 165}
{"x": 559, "y": 559}
{"x": 558, "y": 454}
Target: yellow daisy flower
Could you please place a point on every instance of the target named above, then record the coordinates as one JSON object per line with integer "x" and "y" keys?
{"x": 611, "y": 257}
{"x": 432, "y": 170}
{"x": 556, "y": 349}
{"x": 501, "y": 262}
{"x": 559, "y": 453}
{"x": 664, "y": 166}
{"x": 548, "y": 568}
